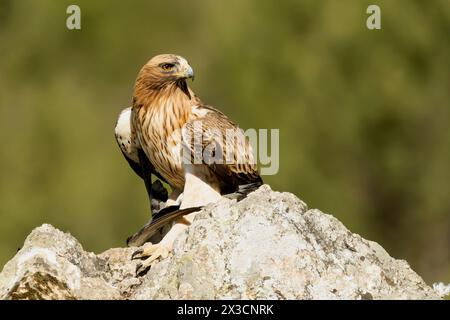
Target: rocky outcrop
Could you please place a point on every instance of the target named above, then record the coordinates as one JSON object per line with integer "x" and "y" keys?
{"x": 267, "y": 246}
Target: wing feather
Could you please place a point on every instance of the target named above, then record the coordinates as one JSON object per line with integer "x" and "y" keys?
{"x": 134, "y": 155}
{"x": 221, "y": 139}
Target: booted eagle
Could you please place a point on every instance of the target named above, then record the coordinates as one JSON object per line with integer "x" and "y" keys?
{"x": 195, "y": 148}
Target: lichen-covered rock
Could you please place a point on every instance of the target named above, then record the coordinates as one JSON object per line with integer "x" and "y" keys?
{"x": 267, "y": 246}
{"x": 53, "y": 265}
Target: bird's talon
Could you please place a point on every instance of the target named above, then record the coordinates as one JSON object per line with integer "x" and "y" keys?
{"x": 137, "y": 254}
{"x": 153, "y": 253}
{"x": 141, "y": 269}
{"x": 138, "y": 266}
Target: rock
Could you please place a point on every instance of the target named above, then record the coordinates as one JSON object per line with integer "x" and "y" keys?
{"x": 267, "y": 246}
{"x": 53, "y": 265}
{"x": 443, "y": 290}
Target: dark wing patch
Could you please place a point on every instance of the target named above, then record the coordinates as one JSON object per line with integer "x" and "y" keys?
{"x": 134, "y": 165}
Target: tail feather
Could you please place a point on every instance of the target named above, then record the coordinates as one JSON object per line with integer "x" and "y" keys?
{"x": 168, "y": 214}
{"x": 162, "y": 218}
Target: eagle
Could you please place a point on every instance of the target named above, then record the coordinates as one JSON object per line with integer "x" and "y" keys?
{"x": 193, "y": 147}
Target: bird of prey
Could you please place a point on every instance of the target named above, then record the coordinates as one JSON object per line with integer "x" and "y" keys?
{"x": 170, "y": 133}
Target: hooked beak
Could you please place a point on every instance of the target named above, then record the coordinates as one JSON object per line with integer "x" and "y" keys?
{"x": 188, "y": 72}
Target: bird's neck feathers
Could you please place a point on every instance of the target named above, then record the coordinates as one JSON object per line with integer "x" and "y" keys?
{"x": 156, "y": 95}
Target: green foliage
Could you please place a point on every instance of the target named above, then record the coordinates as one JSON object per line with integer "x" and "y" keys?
{"x": 363, "y": 115}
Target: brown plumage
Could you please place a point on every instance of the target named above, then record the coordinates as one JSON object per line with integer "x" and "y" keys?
{"x": 163, "y": 114}
{"x": 160, "y": 129}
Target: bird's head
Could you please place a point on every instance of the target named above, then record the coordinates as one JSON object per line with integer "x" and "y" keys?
{"x": 170, "y": 67}
{"x": 163, "y": 70}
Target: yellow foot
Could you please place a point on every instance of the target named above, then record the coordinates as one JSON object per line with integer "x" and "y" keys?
{"x": 152, "y": 252}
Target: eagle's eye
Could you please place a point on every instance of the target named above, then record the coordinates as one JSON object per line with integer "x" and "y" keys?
{"x": 167, "y": 66}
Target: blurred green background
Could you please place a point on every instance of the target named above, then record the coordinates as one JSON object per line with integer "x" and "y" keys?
{"x": 363, "y": 115}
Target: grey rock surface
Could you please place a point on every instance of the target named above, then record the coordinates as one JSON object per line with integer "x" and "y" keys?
{"x": 267, "y": 246}
{"x": 53, "y": 265}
